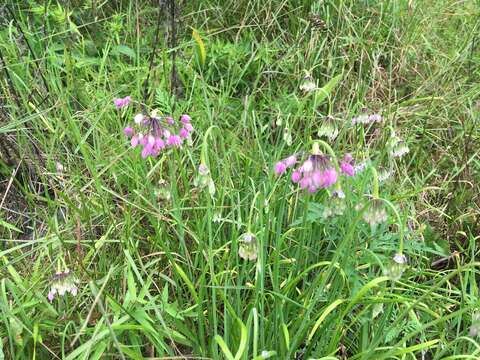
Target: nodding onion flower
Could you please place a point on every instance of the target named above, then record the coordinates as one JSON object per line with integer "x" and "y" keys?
{"x": 155, "y": 133}
{"x": 63, "y": 282}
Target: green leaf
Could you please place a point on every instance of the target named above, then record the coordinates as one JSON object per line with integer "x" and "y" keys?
{"x": 124, "y": 50}
{"x": 2, "y": 356}
{"x": 243, "y": 340}
{"x": 322, "y": 93}
{"x": 9, "y": 226}
{"x": 226, "y": 351}
{"x": 201, "y": 52}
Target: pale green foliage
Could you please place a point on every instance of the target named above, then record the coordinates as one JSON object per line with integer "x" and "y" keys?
{"x": 155, "y": 246}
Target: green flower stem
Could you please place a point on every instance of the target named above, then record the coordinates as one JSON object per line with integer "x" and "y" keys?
{"x": 250, "y": 215}
{"x": 203, "y": 154}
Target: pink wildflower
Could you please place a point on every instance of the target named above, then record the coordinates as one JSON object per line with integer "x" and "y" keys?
{"x": 280, "y": 168}
{"x": 135, "y": 140}
{"x": 154, "y": 133}
{"x": 290, "y": 161}
{"x": 185, "y": 118}
{"x": 120, "y": 103}
{"x": 174, "y": 140}
{"x": 315, "y": 173}
{"x": 346, "y": 165}
{"x": 296, "y": 176}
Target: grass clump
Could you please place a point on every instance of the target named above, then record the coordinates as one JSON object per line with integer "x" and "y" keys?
{"x": 323, "y": 205}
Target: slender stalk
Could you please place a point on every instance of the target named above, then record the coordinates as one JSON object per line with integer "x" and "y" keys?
{"x": 152, "y": 55}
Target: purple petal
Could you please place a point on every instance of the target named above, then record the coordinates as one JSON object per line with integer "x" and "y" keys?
{"x": 296, "y": 176}
{"x": 185, "y": 118}
{"x": 280, "y": 168}
{"x": 347, "y": 168}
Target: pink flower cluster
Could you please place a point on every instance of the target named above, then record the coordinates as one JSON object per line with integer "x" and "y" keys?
{"x": 155, "y": 133}
{"x": 120, "y": 103}
{"x": 367, "y": 119}
{"x": 316, "y": 172}
{"x": 346, "y": 165}
{"x": 283, "y": 165}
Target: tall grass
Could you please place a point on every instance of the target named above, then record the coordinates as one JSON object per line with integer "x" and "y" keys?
{"x": 157, "y": 257}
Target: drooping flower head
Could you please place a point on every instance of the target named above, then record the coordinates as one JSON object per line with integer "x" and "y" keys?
{"x": 398, "y": 147}
{"x": 317, "y": 172}
{"x": 308, "y": 84}
{"x": 375, "y": 214}
{"x": 204, "y": 179}
{"x": 248, "y": 247}
{"x": 329, "y": 127}
{"x": 63, "y": 282}
{"x": 155, "y": 133}
{"x": 397, "y": 267}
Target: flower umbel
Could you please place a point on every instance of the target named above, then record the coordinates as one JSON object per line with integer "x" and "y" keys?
{"x": 156, "y": 133}
{"x": 398, "y": 147}
{"x": 365, "y": 118}
{"x": 317, "y": 172}
{"x": 204, "y": 180}
{"x": 248, "y": 247}
{"x": 308, "y": 85}
{"x": 397, "y": 267}
{"x": 375, "y": 214}
{"x": 122, "y": 102}
{"x": 329, "y": 128}
{"x": 336, "y": 206}
{"x": 63, "y": 282}
{"x": 346, "y": 165}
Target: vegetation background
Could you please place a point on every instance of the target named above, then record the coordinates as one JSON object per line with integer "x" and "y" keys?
{"x": 156, "y": 256}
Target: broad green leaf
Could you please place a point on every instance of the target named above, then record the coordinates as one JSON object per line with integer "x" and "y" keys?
{"x": 322, "y": 93}
{"x": 202, "y": 53}
{"x": 123, "y": 50}
{"x": 226, "y": 351}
